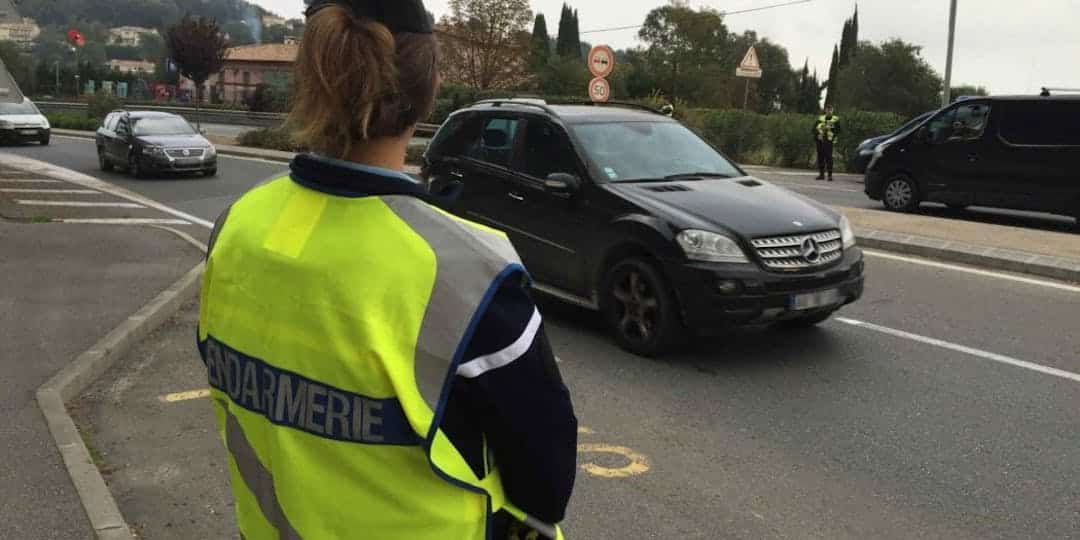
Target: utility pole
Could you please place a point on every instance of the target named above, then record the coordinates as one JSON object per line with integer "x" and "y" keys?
{"x": 946, "y": 95}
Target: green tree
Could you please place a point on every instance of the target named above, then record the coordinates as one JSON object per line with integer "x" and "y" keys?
{"x": 693, "y": 54}
{"x": 275, "y": 34}
{"x": 568, "y": 40}
{"x": 892, "y": 77}
{"x": 486, "y": 43}
{"x": 809, "y": 91}
{"x": 198, "y": 48}
{"x": 239, "y": 33}
{"x": 540, "y": 45}
{"x": 834, "y": 72}
{"x": 777, "y": 89}
{"x": 968, "y": 90}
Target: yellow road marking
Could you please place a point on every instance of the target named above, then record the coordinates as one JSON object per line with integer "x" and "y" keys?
{"x": 185, "y": 396}
{"x": 639, "y": 464}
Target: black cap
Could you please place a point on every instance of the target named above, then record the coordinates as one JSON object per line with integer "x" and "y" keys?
{"x": 397, "y": 15}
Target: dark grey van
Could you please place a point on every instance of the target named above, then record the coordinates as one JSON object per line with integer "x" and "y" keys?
{"x": 1016, "y": 152}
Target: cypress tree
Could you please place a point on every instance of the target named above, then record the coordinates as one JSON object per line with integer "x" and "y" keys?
{"x": 834, "y": 70}
{"x": 540, "y": 45}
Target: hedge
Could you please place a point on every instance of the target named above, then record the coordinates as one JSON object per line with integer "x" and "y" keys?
{"x": 73, "y": 121}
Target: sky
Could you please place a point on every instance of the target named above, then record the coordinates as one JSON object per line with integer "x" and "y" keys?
{"x": 1008, "y": 46}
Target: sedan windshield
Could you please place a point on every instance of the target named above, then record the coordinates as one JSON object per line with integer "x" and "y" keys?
{"x": 637, "y": 151}
{"x": 163, "y": 126}
{"x": 26, "y": 107}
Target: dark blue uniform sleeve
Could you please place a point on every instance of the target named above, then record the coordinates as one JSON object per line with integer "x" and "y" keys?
{"x": 518, "y": 400}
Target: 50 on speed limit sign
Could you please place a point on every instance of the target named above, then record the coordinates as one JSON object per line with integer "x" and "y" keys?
{"x": 599, "y": 90}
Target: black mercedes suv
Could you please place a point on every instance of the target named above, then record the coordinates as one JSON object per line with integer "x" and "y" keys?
{"x": 625, "y": 210}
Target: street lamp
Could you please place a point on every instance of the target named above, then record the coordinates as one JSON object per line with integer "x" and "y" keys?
{"x": 946, "y": 96}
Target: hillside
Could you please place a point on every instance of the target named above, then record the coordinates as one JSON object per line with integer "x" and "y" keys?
{"x": 147, "y": 13}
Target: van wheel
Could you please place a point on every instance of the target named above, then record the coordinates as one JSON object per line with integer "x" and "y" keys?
{"x": 641, "y": 308}
{"x": 901, "y": 194}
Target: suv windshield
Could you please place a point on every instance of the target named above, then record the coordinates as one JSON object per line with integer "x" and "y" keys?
{"x": 635, "y": 151}
{"x": 163, "y": 126}
{"x": 26, "y": 107}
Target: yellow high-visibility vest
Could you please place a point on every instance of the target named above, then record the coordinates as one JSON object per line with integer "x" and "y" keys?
{"x": 826, "y": 127}
{"x": 331, "y": 328}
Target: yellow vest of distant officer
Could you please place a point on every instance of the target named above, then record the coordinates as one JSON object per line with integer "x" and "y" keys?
{"x": 826, "y": 127}
{"x": 328, "y": 388}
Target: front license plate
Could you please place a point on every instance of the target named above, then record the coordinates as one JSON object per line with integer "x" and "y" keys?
{"x": 814, "y": 300}
{"x": 28, "y": 132}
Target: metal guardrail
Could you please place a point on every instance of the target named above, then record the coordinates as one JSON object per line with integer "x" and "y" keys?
{"x": 209, "y": 116}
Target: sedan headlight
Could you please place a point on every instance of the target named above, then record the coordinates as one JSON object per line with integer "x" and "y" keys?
{"x": 153, "y": 150}
{"x": 846, "y": 234}
{"x": 710, "y": 247}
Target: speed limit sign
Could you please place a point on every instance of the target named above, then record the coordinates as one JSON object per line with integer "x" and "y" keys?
{"x": 599, "y": 90}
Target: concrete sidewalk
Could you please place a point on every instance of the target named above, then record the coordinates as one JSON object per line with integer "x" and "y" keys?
{"x": 64, "y": 286}
{"x": 1014, "y": 249}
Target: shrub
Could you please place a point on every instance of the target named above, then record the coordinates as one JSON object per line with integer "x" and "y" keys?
{"x": 737, "y": 133}
{"x": 73, "y": 121}
{"x": 857, "y": 126}
{"x": 101, "y": 104}
{"x": 271, "y": 139}
{"x": 791, "y": 138}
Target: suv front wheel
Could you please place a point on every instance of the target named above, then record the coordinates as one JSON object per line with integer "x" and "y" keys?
{"x": 640, "y": 308}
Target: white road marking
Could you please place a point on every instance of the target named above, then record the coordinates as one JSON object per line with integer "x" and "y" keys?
{"x": 975, "y": 271}
{"x": 46, "y": 169}
{"x": 78, "y": 204}
{"x": 125, "y": 221}
{"x": 60, "y": 191}
{"x": 986, "y": 355}
{"x": 28, "y": 181}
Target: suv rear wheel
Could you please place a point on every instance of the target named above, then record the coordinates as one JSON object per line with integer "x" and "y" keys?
{"x": 640, "y": 308}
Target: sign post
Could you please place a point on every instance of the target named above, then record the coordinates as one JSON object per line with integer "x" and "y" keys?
{"x": 601, "y": 63}
{"x": 749, "y": 68}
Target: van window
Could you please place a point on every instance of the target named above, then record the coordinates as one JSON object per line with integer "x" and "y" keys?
{"x": 964, "y": 123}
{"x": 1042, "y": 123}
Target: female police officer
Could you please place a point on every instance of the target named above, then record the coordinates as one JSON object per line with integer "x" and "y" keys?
{"x": 377, "y": 367}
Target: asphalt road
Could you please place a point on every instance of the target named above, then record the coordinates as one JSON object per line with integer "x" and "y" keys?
{"x": 943, "y": 405}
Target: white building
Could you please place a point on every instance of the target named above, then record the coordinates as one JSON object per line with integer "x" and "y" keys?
{"x": 132, "y": 66}
{"x": 272, "y": 20}
{"x": 23, "y": 31}
{"x": 128, "y": 36}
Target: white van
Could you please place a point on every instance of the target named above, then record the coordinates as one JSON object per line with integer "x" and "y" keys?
{"x": 23, "y": 122}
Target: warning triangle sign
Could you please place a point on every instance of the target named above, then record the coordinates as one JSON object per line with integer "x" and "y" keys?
{"x": 750, "y": 61}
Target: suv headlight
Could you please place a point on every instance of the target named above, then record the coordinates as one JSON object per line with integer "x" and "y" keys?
{"x": 153, "y": 150}
{"x": 210, "y": 152}
{"x": 846, "y": 234}
{"x": 5, "y": 124}
{"x": 710, "y": 247}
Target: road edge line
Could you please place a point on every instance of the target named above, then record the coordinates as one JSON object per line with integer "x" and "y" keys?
{"x": 97, "y": 500}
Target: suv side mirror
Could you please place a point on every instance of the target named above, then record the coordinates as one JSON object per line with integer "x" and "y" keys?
{"x": 562, "y": 183}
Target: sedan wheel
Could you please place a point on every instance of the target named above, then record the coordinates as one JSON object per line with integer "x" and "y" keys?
{"x": 640, "y": 308}
{"x": 103, "y": 160}
{"x": 901, "y": 194}
{"x": 135, "y": 167}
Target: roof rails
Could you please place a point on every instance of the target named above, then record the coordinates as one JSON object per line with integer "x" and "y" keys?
{"x": 543, "y": 105}
{"x": 1046, "y": 91}
{"x": 525, "y": 102}
{"x": 612, "y": 103}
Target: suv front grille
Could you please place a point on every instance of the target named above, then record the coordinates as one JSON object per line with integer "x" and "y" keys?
{"x": 800, "y": 252}
{"x": 191, "y": 152}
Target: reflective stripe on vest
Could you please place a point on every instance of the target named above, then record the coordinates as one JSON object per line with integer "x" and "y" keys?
{"x": 332, "y": 328}
{"x": 826, "y": 127}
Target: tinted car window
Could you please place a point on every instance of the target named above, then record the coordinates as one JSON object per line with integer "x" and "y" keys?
{"x": 1045, "y": 123}
{"x": 495, "y": 142}
{"x": 163, "y": 126}
{"x": 546, "y": 151}
{"x": 959, "y": 124}
{"x": 627, "y": 151}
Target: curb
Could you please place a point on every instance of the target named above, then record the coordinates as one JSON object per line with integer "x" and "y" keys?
{"x": 1060, "y": 268}
{"x": 98, "y": 502}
